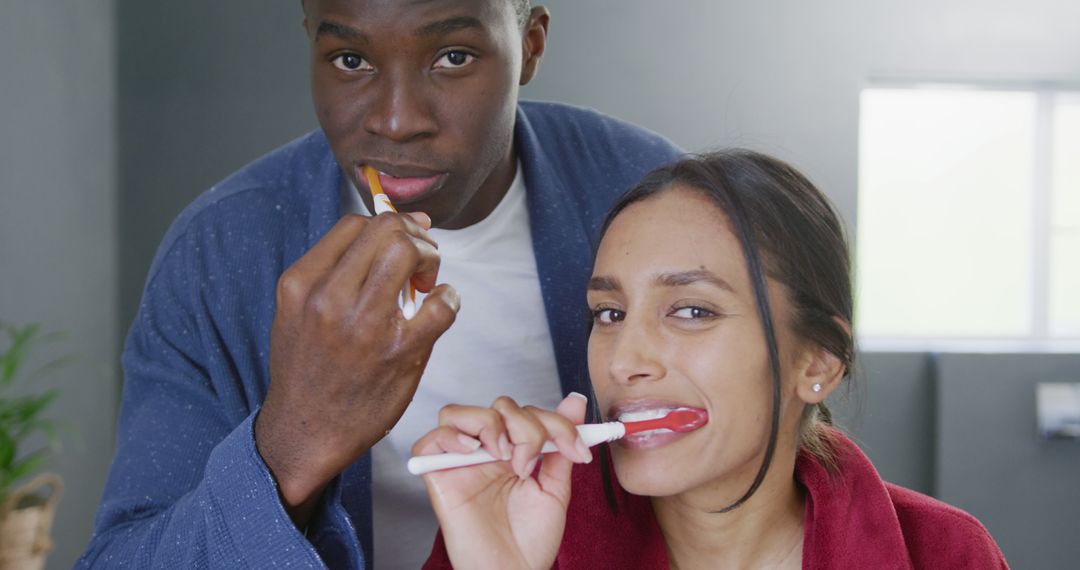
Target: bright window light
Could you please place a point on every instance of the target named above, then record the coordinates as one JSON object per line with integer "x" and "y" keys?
{"x": 1064, "y": 306}
{"x": 968, "y": 215}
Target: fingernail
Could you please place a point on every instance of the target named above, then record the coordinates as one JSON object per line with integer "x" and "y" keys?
{"x": 452, "y": 299}
{"x": 583, "y": 450}
{"x": 504, "y": 447}
{"x": 578, "y": 395}
{"x": 471, "y": 442}
{"x": 529, "y": 468}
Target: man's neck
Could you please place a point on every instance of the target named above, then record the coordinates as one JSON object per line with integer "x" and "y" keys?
{"x": 489, "y": 195}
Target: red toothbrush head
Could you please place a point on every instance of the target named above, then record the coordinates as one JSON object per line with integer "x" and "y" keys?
{"x": 681, "y": 421}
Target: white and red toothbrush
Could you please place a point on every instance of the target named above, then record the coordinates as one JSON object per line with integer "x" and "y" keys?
{"x": 681, "y": 420}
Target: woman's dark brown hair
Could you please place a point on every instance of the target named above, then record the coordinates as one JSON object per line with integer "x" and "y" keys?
{"x": 789, "y": 232}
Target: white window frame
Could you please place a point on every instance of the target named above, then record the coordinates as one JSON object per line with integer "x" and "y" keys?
{"x": 1040, "y": 340}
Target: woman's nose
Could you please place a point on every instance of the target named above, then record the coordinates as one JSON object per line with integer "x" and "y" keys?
{"x": 400, "y": 109}
{"x": 635, "y": 355}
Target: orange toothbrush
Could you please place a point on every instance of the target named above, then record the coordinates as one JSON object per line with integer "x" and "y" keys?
{"x": 383, "y": 204}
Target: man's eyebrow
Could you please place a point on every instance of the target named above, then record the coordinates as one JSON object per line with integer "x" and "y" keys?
{"x": 604, "y": 284}
{"x": 341, "y": 31}
{"x": 443, "y": 27}
{"x": 682, "y": 278}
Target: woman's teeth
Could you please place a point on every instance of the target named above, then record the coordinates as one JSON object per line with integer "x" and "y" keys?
{"x": 643, "y": 415}
{"x": 651, "y": 432}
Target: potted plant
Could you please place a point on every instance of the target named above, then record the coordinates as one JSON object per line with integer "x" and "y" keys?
{"x": 26, "y": 514}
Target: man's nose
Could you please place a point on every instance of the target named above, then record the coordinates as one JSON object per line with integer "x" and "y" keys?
{"x": 400, "y": 109}
{"x": 636, "y": 354}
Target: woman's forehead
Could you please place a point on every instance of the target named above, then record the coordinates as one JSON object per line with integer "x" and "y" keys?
{"x": 677, "y": 230}
{"x": 677, "y": 216}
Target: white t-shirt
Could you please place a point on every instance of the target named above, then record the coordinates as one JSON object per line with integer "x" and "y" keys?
{"x": 499, "y": 345}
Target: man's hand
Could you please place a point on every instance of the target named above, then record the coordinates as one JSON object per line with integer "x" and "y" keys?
{"x": 344, "y": 362}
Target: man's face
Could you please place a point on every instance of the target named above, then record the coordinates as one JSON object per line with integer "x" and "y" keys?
{"x": 424, "y": 91}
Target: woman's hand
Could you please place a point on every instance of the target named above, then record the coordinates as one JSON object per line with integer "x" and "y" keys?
{"x": 497, "y": 515}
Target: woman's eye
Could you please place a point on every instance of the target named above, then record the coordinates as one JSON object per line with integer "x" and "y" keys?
{"x": 351, "y": 62}
{"x": 608, "y": 316}
{"x": 692, "y": 313}
{"x": 454, "y": 59}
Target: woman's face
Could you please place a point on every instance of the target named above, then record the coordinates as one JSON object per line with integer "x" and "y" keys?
{"x": 675, "y": 325}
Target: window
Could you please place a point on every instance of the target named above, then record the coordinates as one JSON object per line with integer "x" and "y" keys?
{"x": 968, "y": 217}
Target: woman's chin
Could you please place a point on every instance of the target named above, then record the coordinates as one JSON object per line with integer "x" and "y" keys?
{"x": 649, "y": 478}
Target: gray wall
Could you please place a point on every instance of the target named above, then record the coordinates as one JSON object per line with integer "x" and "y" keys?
{"x": 58, "y": 226}
{"x": 1025, "y": 490}
{"x": 204, "y": 87}
{"x": 783, "y": 76}
{"x": 889, "y": 409}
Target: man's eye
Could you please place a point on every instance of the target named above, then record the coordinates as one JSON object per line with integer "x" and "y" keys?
{"x": 351, "y": 62}
{"x": 608, "y": 316}
{"x": 454, "y": 59}
{"x": 692, "y": 313}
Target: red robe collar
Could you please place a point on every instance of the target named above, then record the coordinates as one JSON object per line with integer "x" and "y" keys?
{"x": 850, "y": 520}
{"x": 853, "y": 520}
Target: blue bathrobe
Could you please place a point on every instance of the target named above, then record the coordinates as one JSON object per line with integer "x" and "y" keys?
{"x": 187, "y": 488}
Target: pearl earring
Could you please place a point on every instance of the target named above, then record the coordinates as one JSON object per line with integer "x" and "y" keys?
{"x": 816, "y": 388}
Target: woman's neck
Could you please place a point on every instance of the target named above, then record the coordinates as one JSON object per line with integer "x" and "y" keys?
{"x": 764, "y": 532}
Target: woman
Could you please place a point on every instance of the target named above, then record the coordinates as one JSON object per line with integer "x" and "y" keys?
{"x": 721, "y": 284}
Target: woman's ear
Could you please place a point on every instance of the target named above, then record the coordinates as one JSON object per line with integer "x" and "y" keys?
{"x": 821, "y": 373}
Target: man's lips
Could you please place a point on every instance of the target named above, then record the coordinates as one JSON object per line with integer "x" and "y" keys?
{"x": 402, "y": 183}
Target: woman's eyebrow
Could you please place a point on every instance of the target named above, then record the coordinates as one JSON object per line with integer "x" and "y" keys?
{"x": 681, "y": 278}
{"x": 601, "y": 283}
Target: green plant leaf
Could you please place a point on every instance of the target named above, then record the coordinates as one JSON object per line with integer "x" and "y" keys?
{"x": 22, "y": 339}
{"x": 7, "y": 450}
{"x": 26, "y": 465}
{"x": 48, "y": 427}
{"x": 21, "y": 411}
{"x": 20, "y": 417}
{"x": 35, "y": 404}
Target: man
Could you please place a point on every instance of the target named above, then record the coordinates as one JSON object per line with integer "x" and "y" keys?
{"x": 269, "y": 355}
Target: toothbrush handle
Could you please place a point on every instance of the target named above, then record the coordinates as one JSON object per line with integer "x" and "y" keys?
{"x": 408, "y": 292}
{"x": 591, "y": 434}
{"x": 382, "y": 203}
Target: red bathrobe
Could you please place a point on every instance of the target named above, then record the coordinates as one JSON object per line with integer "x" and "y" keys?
{"x": 853, "y": 520}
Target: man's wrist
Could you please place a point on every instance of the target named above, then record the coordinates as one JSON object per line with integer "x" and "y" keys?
{"x": 299, "y": 487}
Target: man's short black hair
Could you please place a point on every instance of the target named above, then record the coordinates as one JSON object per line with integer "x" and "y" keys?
{"x": 522, "y": 7}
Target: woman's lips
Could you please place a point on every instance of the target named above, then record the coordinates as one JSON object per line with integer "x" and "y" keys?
{"x": 650, "y": 440}
{"x": 404, "y": 185}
